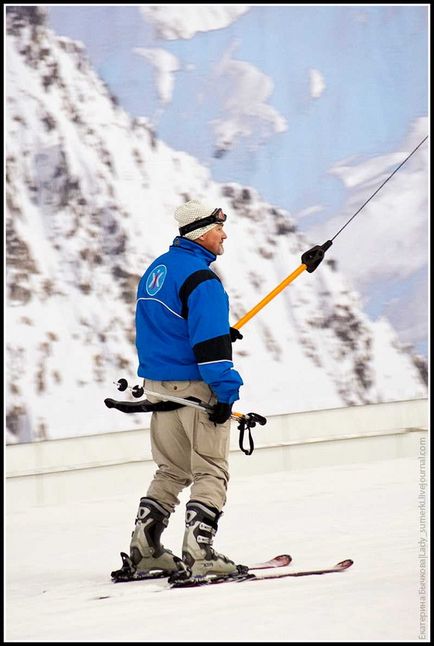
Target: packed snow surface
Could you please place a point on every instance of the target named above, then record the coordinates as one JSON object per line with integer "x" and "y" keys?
{"x": 59, "y": 561}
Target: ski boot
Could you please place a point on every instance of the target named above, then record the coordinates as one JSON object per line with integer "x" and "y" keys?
{"x": 148, "y": 558}
{"x": 198, "y": 555}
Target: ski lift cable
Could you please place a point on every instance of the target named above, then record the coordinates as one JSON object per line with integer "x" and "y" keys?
{"x": 379, "y": 188}
{"x": 313, "y": 257}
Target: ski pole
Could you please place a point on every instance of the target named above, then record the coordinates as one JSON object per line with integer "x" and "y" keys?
{"x": 312, "y": 258}
{"x": 138, "y": 391}
{"x": 246, "y": 421}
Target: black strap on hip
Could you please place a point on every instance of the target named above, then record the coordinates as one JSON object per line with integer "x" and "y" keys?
{"x": 143, "y": 406}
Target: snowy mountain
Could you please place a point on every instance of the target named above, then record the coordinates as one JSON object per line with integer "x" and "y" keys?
{"x": 90, "y": 195}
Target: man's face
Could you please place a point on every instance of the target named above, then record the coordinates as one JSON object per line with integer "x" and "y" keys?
{"x": 213, "y": 240}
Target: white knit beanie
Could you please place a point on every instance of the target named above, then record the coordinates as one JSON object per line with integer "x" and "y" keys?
{"x": 192, "y": 211}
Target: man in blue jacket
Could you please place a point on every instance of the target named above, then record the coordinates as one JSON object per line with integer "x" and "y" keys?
{"x": 184, "y": 348}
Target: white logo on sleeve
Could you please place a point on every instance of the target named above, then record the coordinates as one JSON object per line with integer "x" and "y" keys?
{"x": 156, "y": 279}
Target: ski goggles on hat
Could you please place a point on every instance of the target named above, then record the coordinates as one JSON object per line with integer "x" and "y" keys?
{"x": 216, "y": 217}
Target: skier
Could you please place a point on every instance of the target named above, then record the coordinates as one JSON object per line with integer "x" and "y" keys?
{"x": 183, "y": 340}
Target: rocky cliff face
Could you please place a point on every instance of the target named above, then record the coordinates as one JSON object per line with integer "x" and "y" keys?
{"x": 90, "y": 195}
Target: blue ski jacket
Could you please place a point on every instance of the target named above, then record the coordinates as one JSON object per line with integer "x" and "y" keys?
{"x": 182, "y": 321}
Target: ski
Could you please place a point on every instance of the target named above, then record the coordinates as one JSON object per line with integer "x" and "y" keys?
{"x": 251, "y": 576}
{"x": 339, "y": 567}
{"x": 278, "y": 561}
{"x": 128, "y": 572}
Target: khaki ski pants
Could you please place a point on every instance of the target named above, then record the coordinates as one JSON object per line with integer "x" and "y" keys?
{"x": 188, "y": 448}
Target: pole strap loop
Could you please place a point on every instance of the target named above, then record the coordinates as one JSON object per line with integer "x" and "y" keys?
{"x": 242, "y": 426}
{"x": 247, "y": 422}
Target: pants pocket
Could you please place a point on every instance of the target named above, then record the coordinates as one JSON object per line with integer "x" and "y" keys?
{"x": 210, "y": 440}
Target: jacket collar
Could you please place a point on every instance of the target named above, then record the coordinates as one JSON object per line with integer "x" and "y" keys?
{"x": 194, "y": 247}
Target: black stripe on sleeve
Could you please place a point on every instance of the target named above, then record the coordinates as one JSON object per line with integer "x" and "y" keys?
{"x": 217, "y": 349}
{"x": 191, "y": 283}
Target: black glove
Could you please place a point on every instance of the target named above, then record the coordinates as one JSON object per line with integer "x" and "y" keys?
{"x": 235, "y": 334}
{"x": 220, "y": 413}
